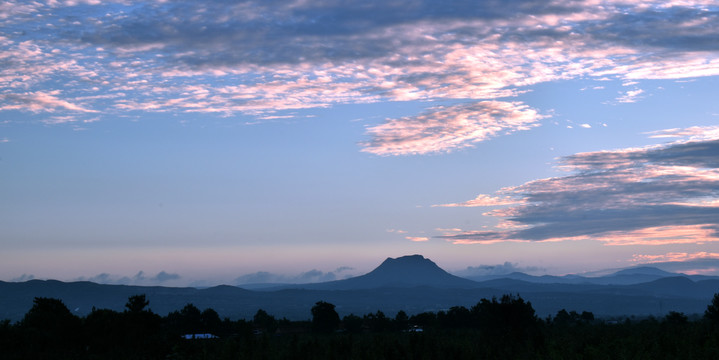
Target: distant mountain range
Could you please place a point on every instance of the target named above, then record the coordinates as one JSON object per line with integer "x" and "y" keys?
{"x": 628, "y": 276}
{"x": 410, "y": 283}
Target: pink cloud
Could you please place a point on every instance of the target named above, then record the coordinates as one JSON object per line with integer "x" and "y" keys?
{"x": 692, "y": 133}
{"x": 396, "y": 231}
{"x": 655, "y": 195}
{"x": 661, "y": 235}
{"x": 484, "y": 200}
{"x": 40, "y": 101}
{"x": 444, "y": 129}
{"x": 630, "y": 96}
{"x": 176, "y": 67}
{"x": 674, "y": 256}
{"x": 417, "y": 238}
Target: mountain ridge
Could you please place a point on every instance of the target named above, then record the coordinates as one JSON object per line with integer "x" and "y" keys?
{"x": 411, "y": 283}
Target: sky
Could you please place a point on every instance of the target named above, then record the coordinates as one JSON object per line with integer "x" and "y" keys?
{"x": 198, "y": 143}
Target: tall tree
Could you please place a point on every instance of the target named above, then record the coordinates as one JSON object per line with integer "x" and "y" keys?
{"x": 712, "y": 311}
{"x": 324, "y": 317}
{"x": 51, "y": 328}
{"x": 137, "y": 303}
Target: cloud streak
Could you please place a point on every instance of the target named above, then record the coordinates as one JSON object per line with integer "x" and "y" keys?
{"x": 653, "y": 195}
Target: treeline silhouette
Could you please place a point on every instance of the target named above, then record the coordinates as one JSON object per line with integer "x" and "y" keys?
{"x": 505, "y": 328}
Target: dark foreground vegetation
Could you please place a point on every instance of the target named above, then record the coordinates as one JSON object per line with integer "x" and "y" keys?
{"x": 505, "y": 328}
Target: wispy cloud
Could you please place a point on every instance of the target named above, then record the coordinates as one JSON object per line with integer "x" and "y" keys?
{"x": 39, "y": 101}
{"x": 692, "y": 133}
{"x": 262, "y": 58}
{"x": 484, "y": 200}
{"x": 443, "y": 129}
{"x": 23, "y": 278}
{"x": 311, "y": 276}
{"x": 499, "y": 269}
{"x": 675, "y": 256}
{"x": 652, "y": 195}
{"x": 630, "y": 96}
{"x": 417, "y": 238}
{"x": 138, "y": 279}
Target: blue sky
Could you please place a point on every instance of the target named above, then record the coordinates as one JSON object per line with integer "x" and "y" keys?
{"x": 183, "y": 142}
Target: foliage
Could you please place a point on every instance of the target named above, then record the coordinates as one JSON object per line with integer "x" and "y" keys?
{"x": 49, "y": 328}
{"x": 352, "y": 323}
{"x": 505, "y": 328}
{"x": 264, "y": 322}
{"x": 137, "y": 303}
{"x": 324, "y": 317}
{"x": 712, "y": 312}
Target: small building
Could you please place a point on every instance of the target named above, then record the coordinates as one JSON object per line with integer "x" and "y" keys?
{"x": 199, "y": 336}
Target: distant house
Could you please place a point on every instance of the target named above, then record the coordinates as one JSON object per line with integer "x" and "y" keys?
{"x": 199, "y": 336}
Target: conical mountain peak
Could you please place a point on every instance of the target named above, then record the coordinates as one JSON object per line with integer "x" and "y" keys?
{"x": 415, "y": 266}
{"x": 404, "y": 271}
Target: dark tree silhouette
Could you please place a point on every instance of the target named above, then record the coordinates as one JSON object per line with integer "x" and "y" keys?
{"x": 712, "y": 311}
{"x": 49, "y": 312}
{"x": 564, "y": 318}
{"x": 352, "y": 323}
{"x": 52, "y": 328}
{"x": 587, "y": 316}
{"x": 105, "y": 334}
{"x": 499, "y": 329}
{"x": 142, "y": 328}
{"x": 510, "y": 323}
{"x": 264, "y": 321}
{"x": 423, "y": 319}
{"x": 377, "y": 322}
{"x": 676, "y": 318}
{"x": 210, "y": 321}
{"x": 401, "y": 320}
{"x": 137, "y": 303}
{"x": 457, "y": 316}
{"x": 324, "y": 317}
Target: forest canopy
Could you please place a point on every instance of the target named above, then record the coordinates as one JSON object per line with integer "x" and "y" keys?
{"x": 493, "y": 328}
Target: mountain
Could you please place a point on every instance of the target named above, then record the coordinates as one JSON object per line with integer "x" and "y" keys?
{"x": 627, "y": 276}
{"x": 543, "y": 279}
{"x": 411, "y": 283}
{"x": 632, "y": 275}
{"x": 402, "y": 272}
{"x": 643, "y": 270}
